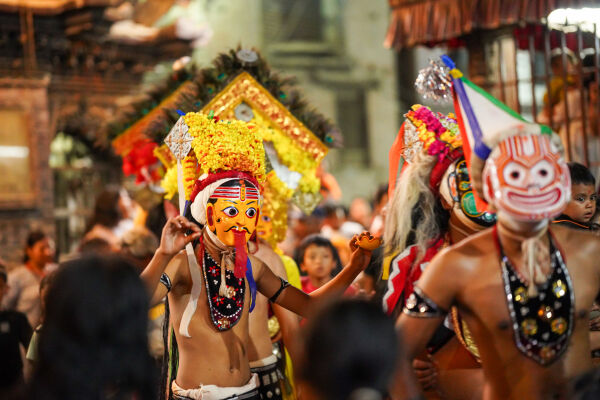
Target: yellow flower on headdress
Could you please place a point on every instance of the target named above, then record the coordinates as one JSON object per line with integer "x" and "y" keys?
{"x": 438, "y": 133}
{"x": 226, "y": 145}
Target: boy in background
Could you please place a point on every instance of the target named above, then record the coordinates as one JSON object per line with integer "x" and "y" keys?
{"x": 320, "y": 262}
{"x": 582, "y": 207}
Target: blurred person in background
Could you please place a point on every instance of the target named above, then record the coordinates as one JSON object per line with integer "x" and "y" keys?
{"x": 32, "y": 349}
{"x": 369, "y": 281}
{"x": 333, "y": 218}
{"x": 380, "y": 200}
{"x": 138, "y": 246}
{"x": 299, "y": 227}
{"x": 24, "y": 281}
{"x": 94, "y": 343}
{"x": 338, "y": 229}
{"x": 557, "y": 83}
{"x": 360, "y": 212}
{"x": 571, "y": 126}
{"x": 96, "y": 246}
{"x": 349, "y": 350}
{"x": 112, "y": 217}
{"x": 15, "y": 333}
{"x": 319, "y": 262}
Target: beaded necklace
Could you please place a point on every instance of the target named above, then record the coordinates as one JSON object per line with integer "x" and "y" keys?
{"x": 225, "y": 311}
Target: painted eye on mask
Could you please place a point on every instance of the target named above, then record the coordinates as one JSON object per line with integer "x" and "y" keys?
{"x": 231, "y": 211}
{"x": 542, "y": 173}
{"x": 514, "y": 174}
{"x": 251, "y": 212}
{"x": 266, "y": 218}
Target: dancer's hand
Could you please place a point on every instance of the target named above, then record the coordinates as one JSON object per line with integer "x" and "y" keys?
{"x": 426, "y": 373}
{"x": 360, "y": 257}
{"x": 174, "y": 238}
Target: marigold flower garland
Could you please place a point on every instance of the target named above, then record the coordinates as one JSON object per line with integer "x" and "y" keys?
{"x": 221, "y": 146}
{"x": 226, "y": 145}
{"x": 438, "y": 132}
{"x": 275, "y": 205}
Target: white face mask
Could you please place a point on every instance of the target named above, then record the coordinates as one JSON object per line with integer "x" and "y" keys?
{"x": 526, "y": 178}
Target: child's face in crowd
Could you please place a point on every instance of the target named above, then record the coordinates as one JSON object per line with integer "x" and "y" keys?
{"x": 318, "y": 261}
{"x": 42, "y": 252}
{"x": 582, "y": 206}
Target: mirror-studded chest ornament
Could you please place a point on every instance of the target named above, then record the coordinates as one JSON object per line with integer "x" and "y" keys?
{"x": 542, "y": 324}
{"x": 225, "y": 311}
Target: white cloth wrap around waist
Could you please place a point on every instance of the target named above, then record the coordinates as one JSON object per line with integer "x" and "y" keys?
{"x": 214, "y": 392}
{"x": 268, "y": 360}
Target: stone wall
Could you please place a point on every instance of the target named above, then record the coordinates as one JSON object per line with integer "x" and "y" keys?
{"x": 17, "y": 218}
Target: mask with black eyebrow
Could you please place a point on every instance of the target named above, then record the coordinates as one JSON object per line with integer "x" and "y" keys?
{"x": 232, "y": 211}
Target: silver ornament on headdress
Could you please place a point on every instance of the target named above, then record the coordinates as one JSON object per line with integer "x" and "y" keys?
{"x": 412, "y": 144}
{"x": 434, "y": 82}
{"x": 247, "y": 56}
{"x": 179, "y": 140}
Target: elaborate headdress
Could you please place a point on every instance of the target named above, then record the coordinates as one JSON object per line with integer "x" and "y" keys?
{"x": 429, "y": 146}
{"x": 426, "y": 145}
{"x": 238, "y": 86}
{"x": 484, "y": 121}
{"x": 514, "y": 163}
{"x": 210, "y": 153}
{"x": 433, "y": 133}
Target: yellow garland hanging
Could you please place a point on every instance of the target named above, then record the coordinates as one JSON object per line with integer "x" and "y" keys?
{"x": 275, "y": 205}
{"x": 169, "y": 182}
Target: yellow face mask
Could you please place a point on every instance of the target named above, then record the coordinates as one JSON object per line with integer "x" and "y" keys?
{"x": 264, "y": 229}
{"x": 233, "y": 209}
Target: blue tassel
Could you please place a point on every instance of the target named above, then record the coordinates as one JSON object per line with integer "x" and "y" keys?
{"x": 448, "y": 61}
{"x": 251, "y": 283}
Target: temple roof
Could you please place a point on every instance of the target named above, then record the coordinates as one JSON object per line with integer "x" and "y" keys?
{"x": 416, "y": 22}
{"x": 52, "y": 7}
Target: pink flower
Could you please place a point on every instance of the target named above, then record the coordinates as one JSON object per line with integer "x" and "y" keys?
{"x": 438, "y": 148}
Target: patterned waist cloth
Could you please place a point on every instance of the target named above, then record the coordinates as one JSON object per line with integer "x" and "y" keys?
{"x": 270, "y": 378}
